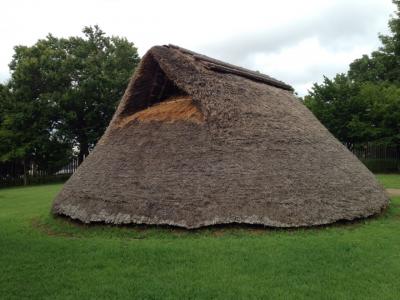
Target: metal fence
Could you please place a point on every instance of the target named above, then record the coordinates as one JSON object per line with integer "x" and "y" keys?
{"x": 378, "y": 158}
{"x": 373, "y": 151}
{"x": 13, "y": 174}
{"x": 70, "y": 168}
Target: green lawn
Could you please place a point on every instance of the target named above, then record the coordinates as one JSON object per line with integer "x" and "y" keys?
{"x": 46, "y": 258}
{"x": 391, "y": 181}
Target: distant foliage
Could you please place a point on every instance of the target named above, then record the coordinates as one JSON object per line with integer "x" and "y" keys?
{"x": 357, "y": 112}
{"x": 61, "y": 96}
{"x": 364, "y": 104}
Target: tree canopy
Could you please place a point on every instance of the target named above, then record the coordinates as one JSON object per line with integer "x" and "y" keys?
{"x": 61, "y": 96}
{"x": 364, "y": 104}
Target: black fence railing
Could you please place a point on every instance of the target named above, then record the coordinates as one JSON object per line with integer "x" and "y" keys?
{"x": 15, "y": 174}
{"x": 70, "y": 168}
{"x": 371, "y": 151}
{"x": 378, "y": 158}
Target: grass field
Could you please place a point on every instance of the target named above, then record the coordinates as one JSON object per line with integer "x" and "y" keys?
{"x": 391, "y": 181}
{"x": 46, "y": 258}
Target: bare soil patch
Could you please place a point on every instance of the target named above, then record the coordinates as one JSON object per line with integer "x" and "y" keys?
{"x": 393, "y": 192}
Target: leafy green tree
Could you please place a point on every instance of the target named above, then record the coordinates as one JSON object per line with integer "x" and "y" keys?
{"x": 384, "y": 64}
{"x": 383, "y": 102}
{"x": 11, "y": 147}
{"x": 364, "y": 104}
{"x": 26, "y": 137}
{"x": 69, "y": 87}
{"x": 372, "y": 68}
{"x": 4, "y": 97}
{"x": 334, "y": 103}
{"x": 357, "y": 113}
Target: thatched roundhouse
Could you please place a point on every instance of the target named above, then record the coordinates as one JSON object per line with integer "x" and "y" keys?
{"x": 197, "y": 142}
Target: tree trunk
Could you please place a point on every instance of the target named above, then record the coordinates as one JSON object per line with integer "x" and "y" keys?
{"x": 82, "y": 137}
{"x": 25, "y": 175}
{"x": 83, "y": 149}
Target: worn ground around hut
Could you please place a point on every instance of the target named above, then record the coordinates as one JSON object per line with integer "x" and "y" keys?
{"x": 393, "y": 192}
{"x": 46, "y": 258}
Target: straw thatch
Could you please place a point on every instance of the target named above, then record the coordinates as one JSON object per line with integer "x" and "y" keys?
{"x": 196, "y": 142}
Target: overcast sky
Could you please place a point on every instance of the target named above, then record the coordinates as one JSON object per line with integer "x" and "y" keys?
{"x": 294, "y": 41}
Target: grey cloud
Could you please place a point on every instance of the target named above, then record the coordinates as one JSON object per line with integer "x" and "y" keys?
{"x": 308, "y": 74}
{"x": 344, "y": 25}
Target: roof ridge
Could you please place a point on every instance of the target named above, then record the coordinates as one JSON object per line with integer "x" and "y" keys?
{"x": 220, "y": 66}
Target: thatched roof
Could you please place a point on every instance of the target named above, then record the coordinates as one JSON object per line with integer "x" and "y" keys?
{"x": 197, "y": 142}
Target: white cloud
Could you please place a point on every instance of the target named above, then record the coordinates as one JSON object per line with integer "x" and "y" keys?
{"x": 4, "y": 75}
{"x": 302, "y": 64}
{"x": 295, "y": 41}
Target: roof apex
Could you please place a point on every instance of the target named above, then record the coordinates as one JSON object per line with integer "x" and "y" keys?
{"x": 223, "y": 67}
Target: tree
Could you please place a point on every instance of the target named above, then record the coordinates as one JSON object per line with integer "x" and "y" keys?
{"x": 357, "y": 113}
{"x": 371, "y": 69}
{"x": 4, "y": 97}
{"x": 364, "y": 104}
{"x": 26, "y": 135}
{"x": 334, "y": 103}
{"x": 384, "y": 64}
{"x": 69, "y": 87}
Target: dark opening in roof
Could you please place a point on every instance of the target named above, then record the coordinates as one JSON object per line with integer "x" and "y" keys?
{"x": 151, "y": 87}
